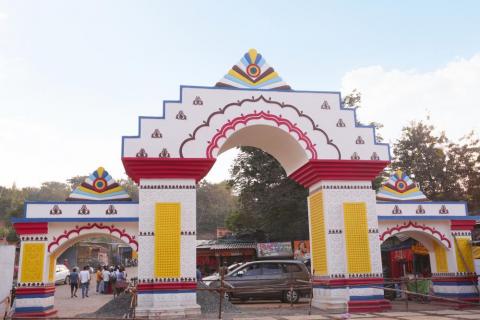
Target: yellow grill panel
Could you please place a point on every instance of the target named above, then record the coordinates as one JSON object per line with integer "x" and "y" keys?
{"x": 440, "y": 257}
{"x": 33, "y": 258}
{"x": 465, "y": 248}
{"x": 167, "y": 240}
{"x": 318, "y": 243}
{"x": 51, "y": 268}
{"x": 356, "y": 237}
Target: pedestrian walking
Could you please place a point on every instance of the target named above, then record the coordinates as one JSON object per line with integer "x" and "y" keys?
{"x": 74, "y": 282}
{"x": 99, "y": 278}
{"x": 113, "y": 280}
{"x": 85, "y": 281}
{"x": 105, "y": 279}
{"x": 121, "y": 284}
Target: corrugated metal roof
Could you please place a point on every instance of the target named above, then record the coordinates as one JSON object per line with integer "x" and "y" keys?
{"x": 229, "y": 246}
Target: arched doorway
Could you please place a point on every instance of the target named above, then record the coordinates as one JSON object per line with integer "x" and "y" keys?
{"x": 316, "y": 140}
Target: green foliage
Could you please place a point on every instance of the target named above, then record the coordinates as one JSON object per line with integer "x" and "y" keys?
{"x": 271, "y": 206}
{"x": 130, "y": 187}
{"x": 214, "y": 203}
{"x": 444, "y": 170}
{"x": 74, "y": 182}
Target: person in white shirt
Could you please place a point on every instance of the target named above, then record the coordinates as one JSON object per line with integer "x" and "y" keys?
{"x": 105, "y": 280}
{"x": 85, "y": 280}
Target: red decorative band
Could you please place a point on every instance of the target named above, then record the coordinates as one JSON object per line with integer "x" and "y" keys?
{"x": 167, "y": 168}
{"x": 415, "y": 225}
{"x": 167, "y": 286}
{"x": 356, "y": 170}
{"x": 244, "y": 119}
{"x": 66, "y": 234}
{"x": 369, "y": 305}
{"x": 472, "y": 279}
{"x": 463, "y": 224}
{"x": 34, "y": 290}
{"x": 348, "y": 282}
{"x": 31, "y": 227}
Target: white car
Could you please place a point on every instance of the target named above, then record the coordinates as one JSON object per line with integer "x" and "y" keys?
{"x": 62, "y": 274}
{"x": 216, "y": 276}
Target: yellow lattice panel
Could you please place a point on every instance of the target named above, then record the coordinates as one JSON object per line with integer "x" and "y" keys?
{"x": 51, "y": 268}
{"x": 464, "y": 246}
{"x": 356, "y": 237}
{"x": 167, "y": 240}
{"x": 33, "y": 258}
{"x": 317, "y": 225}
{"x": 440, "y": 257}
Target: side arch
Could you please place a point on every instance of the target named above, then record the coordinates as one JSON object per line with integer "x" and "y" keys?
{"x": 56, "y": 251}
{"x": 414, "y": 227}
{"x": 438, "y": 251}
{"x": 89, "y": 229}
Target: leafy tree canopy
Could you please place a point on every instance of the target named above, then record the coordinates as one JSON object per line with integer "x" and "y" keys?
{"x": 214, "y": 203}
{"x": 444, "y": 170}
{"x": 271, "y": 206}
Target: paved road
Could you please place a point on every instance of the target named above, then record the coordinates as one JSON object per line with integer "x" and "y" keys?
{"x": 70, "y": 307}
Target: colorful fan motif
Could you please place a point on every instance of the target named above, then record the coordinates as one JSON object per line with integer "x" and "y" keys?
{"x": 252, "y": 71}
{"x": 400, "y": 187}
{"x": 99, "y": 186}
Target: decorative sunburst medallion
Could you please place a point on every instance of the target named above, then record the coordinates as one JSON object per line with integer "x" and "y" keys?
{"x": 399, "y": 187}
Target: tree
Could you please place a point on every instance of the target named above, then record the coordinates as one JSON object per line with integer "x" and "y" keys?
{"x": 214, "y": 203}
{"x": 444, "y": 170}
{"x": 74, "y": 182}
{"x": 271, "y": 206}
{"x": 130, "y": 187}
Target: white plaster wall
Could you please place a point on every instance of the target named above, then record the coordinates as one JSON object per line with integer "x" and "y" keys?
{"x": 175, "y": 131}
{"x": 431, "y": 209}
{"x": 333, "y": 200}
{"x": 70, "y": 210}
{"x": 148, "y": 199}
{"x": 7, "y": 263}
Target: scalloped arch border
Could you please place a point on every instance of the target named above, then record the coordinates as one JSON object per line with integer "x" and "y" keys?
{"x": 66, "y": 234}
{"x": 239, "y": 103}
{"x": 390, "y": 231}
{"x": 244, "y": 119}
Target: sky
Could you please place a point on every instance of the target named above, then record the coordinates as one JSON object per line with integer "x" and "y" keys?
{"x": 75, "y": 75}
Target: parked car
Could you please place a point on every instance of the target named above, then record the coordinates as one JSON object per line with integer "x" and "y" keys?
{"x": 207, "y": 280}
{"x": 273, "y": 277}
{"x": 62, "y": 274}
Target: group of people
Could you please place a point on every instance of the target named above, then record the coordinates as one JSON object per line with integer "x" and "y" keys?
{"x": 109, "y": 280}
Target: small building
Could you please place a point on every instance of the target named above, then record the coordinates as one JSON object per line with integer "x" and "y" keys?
{"x": 211, "y": 254}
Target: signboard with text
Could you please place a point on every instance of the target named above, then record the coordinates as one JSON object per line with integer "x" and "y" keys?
{"x": 274, "y": 249}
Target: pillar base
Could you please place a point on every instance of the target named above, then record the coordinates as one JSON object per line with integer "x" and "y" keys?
{"x": 34, "y": 301}
{"x": 174, "y": 300}
{"x": 166, "y": 313}
{"x": 349, "y": 295}
{"x": 331, "y": 300}
{"x": 461, "y": 288}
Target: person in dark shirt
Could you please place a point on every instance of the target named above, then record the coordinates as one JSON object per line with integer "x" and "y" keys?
{"x": 74, "y": 282}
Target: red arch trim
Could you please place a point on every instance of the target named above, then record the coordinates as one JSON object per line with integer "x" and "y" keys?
{"x": 244, "y": 119}
{"x": 66, "y": 234}
{"x": 415, "y": 225}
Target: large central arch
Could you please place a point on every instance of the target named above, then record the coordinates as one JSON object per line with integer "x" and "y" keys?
{"x": 317, "y": 141}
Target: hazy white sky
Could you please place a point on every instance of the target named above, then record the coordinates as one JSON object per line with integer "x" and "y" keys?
{"x": 74, "y": 76}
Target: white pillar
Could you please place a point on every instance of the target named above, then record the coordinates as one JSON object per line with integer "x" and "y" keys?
{"x": 167, "y": 248}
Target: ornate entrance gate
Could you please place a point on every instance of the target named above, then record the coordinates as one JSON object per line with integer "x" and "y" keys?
{"x": 317, "y": 141}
